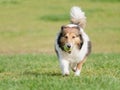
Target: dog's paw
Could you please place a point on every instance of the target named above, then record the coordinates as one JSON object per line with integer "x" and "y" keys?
{"x": 66, "y": 74}
{"x": 77, "y": 73}
{"x": 74, "y": 69}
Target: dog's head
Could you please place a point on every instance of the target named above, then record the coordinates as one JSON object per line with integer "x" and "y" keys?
{"x": 70, "y": 37}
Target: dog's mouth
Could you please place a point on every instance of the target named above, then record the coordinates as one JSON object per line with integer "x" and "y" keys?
{"x": 69, "y": 51}
{"x": 67, "y": 48}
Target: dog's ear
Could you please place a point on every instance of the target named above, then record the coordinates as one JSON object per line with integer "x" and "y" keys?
{"x": 61, "y": 31}
{"x": 62, "y": 28}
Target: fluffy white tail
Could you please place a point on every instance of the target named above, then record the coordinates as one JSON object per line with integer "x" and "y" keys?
{"x": 78, "y": 16}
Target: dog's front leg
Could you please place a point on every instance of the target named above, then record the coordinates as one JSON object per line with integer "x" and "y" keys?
{"x": 65, "y": 67}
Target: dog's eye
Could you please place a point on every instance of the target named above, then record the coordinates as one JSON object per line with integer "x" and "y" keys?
{"x": 73, "y": 37}
{"x": 66, "y": 37}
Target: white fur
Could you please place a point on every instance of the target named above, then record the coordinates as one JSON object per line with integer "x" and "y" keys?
{"x": 77, "y": 73}
{"x": 77, "y": 13}
{"x": 68, "y": 60}
{"x": 71, "y": 25}
{"x": 74, "y": 57}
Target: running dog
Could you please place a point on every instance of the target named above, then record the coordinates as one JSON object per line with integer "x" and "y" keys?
{"x": 72, "y": 44}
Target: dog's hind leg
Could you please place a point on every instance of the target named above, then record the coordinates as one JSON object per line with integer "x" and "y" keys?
{"x": 73, "y": 66}
{"x": 79, "y": 67}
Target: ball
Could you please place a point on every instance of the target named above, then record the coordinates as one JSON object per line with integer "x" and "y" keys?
{"x": 66, "y": 48}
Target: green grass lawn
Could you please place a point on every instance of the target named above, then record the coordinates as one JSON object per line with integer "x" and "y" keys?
{"x": 26, "y": 25}
{"x": 42, "y": 72}
{"x": 28, "y": 29}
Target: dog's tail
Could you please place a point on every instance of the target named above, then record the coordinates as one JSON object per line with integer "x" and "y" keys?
{"x": 78, "y": 16}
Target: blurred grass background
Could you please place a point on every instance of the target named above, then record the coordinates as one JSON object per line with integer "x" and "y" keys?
{"x": 30, "y": 26}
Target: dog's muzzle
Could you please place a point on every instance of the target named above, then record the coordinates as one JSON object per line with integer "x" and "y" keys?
{"x": 67, "y": 48}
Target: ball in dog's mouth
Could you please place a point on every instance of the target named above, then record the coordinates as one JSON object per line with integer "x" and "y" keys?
{"x": 67, "y": 49}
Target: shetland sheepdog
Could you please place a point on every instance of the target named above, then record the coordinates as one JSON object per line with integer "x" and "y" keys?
{"x": 72, "y": 44}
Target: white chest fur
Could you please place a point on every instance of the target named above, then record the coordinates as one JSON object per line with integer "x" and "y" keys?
{"x": 76, "y": 55}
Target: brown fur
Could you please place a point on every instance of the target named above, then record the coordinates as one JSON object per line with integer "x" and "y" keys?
{"x": 79, "y": 65}
{"x": 70, "y": 35}
{"x": 80, "y": 22}
{"x": 73, "y": 43}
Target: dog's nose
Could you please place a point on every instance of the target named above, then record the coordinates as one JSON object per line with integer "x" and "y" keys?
{"x": 69, "y": 46}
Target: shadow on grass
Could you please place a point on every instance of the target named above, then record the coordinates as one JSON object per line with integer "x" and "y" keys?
{"x": 55, "y": 18}
{"x": 41, "y": 73}
{"x": 5, "y": 2}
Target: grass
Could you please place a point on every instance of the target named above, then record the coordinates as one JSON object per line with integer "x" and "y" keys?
{"x": 27, "y": 25}
{"x": 28, "y": 29}
{"x": 30, "y": 72}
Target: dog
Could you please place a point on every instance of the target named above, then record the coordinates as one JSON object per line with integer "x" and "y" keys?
{"x": 72, "y": 44}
